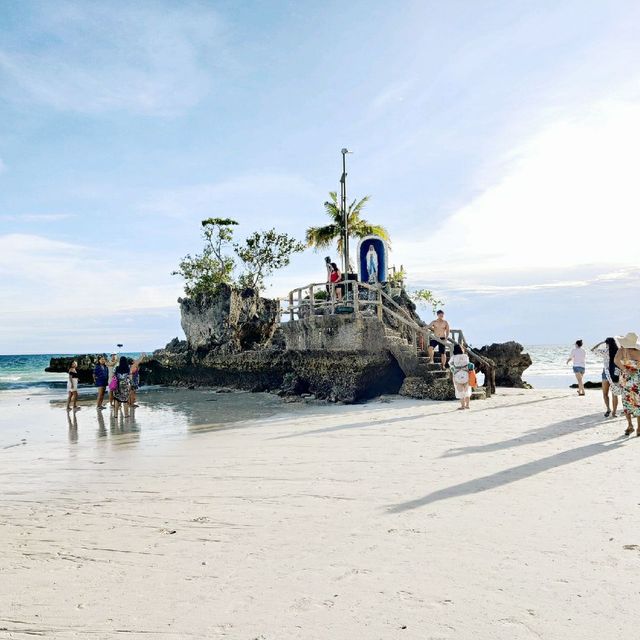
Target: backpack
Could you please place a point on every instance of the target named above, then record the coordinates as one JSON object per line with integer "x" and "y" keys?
{"x": 461, "y": 376}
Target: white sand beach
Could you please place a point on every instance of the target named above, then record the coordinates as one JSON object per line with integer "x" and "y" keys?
{"x": 518, "y": 519}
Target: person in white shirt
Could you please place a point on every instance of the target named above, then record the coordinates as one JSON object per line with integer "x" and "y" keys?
{"x": 579, "y": 358}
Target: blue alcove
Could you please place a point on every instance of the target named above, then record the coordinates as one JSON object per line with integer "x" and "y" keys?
{"x": 380, "y": 248}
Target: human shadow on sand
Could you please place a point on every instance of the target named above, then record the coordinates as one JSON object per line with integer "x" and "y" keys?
{"x": 555, "y": 430}
{"x": 507, "y": 476}
{"x": 451, "y": 408}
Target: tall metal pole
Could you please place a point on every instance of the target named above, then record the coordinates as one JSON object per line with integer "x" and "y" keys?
{"x": 343, "y": 194}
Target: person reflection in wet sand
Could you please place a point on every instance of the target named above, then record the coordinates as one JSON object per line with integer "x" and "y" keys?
{"x": 102, "y": 428}
{"x": 72, "y": 421}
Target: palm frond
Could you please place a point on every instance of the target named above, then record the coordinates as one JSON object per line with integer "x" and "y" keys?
{"x": 321, "y": 237}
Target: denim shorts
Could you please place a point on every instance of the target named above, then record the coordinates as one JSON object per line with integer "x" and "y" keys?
{"x": 578, "y": 369}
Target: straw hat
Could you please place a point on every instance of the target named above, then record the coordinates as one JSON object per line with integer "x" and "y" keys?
{"x": 630, "y": 341}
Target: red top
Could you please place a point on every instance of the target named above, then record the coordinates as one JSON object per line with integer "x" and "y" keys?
{"x": 335, "y": 276}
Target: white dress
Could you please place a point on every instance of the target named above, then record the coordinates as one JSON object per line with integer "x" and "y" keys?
{"x": 460, "y": 362}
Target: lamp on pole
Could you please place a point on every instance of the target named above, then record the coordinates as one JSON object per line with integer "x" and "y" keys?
{"x": 343, "y": 206}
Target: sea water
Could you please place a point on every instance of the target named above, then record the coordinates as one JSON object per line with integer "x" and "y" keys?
{"x": 26, "y": 373}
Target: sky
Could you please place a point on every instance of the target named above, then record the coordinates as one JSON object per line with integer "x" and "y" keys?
{"x": 499, "y": 142}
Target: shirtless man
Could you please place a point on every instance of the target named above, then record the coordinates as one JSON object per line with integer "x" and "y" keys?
{"x": 441, "y": 328}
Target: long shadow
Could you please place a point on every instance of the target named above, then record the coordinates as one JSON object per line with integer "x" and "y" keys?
{"x": 555, "y": 430}
{"x": 375, "y": 423}
{"x": 360, "y": 425}
{"x": 507, "y": 476}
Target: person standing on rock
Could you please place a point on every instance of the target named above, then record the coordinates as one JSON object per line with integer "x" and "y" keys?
{"x": 72, "y": 387}
{"x": 459, "y": 366}
{"x": 440, "y": 327}
{"x": 101, "y": 380}
{"x": 579, "y": 358}
{"x": 335, "y": 277}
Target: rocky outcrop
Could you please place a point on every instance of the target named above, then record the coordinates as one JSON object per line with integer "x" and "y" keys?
{"x": 336, "y": 376}
{"x": 229, "y": 321}
{"x": 510, "y": 363}
{"x": 86, "y": 363}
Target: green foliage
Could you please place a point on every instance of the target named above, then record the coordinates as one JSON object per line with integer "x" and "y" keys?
{"x": 204, "y": 272}
{"x": 262, "y": 253}
{"x": 320, "y": 295}
{"x": 396, "y": 279}
{"x": 322, "y": 237}
{"x": 426, "y": 297}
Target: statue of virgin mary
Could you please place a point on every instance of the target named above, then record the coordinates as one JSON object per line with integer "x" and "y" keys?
{"x": 372, "y": 264}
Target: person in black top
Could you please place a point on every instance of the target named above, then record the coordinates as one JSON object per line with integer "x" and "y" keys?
{"x": 101, "y": 379}
{"x": 72, "y": 387}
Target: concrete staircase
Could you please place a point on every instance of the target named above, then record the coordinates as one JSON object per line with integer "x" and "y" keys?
{"x": 415, "y": 363}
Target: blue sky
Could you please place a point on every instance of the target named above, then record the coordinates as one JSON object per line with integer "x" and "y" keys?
{"x": 499, "y": 142}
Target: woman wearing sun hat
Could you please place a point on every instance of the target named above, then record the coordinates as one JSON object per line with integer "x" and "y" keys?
{"x": 628, "y": 361}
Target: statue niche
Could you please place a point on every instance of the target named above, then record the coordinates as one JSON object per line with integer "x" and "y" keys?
{"x": 372, "y": 260}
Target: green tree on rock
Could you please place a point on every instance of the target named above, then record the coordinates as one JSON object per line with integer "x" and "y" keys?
{"x": 323, "y": 237}
{"x": 205, "y": 271}
{"x": 262, "y": 253}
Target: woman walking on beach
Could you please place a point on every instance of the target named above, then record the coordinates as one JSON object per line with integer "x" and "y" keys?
{"x": 579, "y": 358}
{"x": 459, "y": 365}
{"x": 72, "y": 387}
{"x": 123, "y": 385}
{"x": 628, "y": 361}
{"x": 607, "y": 350}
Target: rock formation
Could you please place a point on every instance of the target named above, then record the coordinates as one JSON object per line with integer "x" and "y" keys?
{"x": 510, "y": 362}
{"x": 230, "y": 321}
{"x": 86, "y": 363}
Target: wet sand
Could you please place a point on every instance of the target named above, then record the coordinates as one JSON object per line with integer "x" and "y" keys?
{"x": 405, "y": 519}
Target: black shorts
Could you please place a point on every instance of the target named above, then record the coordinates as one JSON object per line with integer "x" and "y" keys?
{"x": 435, "y": 344}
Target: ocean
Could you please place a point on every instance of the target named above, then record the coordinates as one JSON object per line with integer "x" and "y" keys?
{"x": 549, "y": 370}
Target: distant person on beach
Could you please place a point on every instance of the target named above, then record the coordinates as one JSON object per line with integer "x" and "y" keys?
{"x": 72, "y": 387}
{"x": 135, "y": 380}
{"x": 336, "y": 276}
{"x": 101, "y": 380}
{"x": 123, "y": 385}
{"x": 628, "y": 361}
{"x": 440, "y": 328}
{"x": 459, "y": 366}
{"x": 578, "y": 357}
{"x": 607, "y": 350}
{"x": 111, "y": 367}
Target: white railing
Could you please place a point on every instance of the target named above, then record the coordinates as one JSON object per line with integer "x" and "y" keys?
{"x": 360, "y": 298}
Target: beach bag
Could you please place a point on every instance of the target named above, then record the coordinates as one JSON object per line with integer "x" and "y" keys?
{"x": 473, "y": 379}
{"x": 461, "y": 376}
{"x": 113, "y": 384}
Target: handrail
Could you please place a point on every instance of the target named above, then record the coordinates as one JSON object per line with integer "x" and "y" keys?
{"x": 310, "y": 303}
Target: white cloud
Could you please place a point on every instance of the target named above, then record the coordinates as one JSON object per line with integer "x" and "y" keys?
{"x": 568, "y": 197}
{"x": 93, "y": 57}
{"x": 61, "y": 279}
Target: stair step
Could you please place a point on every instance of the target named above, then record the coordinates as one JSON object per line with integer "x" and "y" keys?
{"x": 479, "y": 394}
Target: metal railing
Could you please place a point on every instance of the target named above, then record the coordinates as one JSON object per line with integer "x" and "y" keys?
{"x": 360, "y": 298}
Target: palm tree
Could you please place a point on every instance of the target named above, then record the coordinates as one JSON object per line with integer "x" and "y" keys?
{"x": 322, "y": 237}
